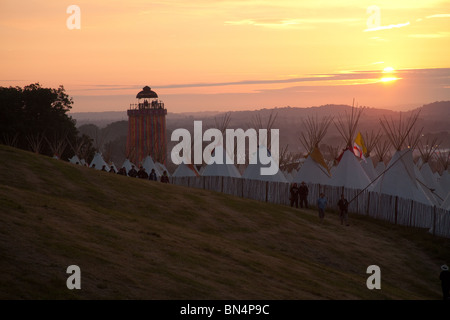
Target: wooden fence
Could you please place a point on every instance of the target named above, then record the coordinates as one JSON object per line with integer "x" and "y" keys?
{"x": 385, "y": 207}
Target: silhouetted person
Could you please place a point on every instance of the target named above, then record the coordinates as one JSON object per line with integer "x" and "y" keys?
{"x": 445, "y": 282}
{"x": 293, "y": 195}
{"x": 322, "y": 205}
{"x": 103, "y": 168}
{"x": 303, "y": 193}
{"x": 122, "y": 171}
{"x": 165, "y": 177}
{"x": 112, "y": 170}
{"x": 343, "y": 210}
{"x": 132, "y": 173}
{"x": 142, "y": 174}
{"x": 152, "y": 176}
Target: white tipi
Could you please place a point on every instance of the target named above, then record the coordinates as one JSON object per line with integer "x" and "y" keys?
{"x": 349, "y": 173}
{"x": 224, "y": 169}
{"x": 98, "y": 162}
{"x": 185, "y": 170}
{"x": 149, "y": 164}
{"x": 400, "y": 178}
{"x": 253, "y": 171}
{"x": 312, "y": 171}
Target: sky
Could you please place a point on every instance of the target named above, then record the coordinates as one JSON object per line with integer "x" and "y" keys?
{"x": 219, "y": 55}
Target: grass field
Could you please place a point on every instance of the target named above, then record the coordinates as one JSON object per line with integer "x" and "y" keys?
{"x": 135, "y": 239}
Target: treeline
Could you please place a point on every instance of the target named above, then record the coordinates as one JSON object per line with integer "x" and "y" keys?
{"x": 35, "y": 118}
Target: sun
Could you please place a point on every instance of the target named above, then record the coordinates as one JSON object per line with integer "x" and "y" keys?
{"x": 389, "y": 76}
{"x": 388, "y": 79}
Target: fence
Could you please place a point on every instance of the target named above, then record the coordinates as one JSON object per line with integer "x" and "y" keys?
{"x": 385, "y": 207}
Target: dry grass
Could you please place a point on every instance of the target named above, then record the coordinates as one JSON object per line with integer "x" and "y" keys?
{"x": 138, "y": 239}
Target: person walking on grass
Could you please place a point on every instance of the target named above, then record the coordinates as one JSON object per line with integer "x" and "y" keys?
{"x": 322, "y": 205}
{"x": 343, "y": 210}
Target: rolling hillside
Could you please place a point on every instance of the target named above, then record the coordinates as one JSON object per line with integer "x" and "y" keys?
{"x": 135, "y": 239}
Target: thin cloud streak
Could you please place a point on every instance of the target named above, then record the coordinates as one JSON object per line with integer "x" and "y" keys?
{"x": 443, "y": 15}
{"x": 391, "y": 26}
{"x": 277, "y": 23}
{"x": 364, "y": 76}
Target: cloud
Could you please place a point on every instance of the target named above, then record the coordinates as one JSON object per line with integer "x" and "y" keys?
{"x": 343, "y": 78}
{"x": 391, "y": 26}
{"x": 280, "y": 23}
{"x": 443, "y": 15}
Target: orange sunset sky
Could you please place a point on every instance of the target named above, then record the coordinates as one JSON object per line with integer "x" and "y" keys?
{"x": 219, "y": 55}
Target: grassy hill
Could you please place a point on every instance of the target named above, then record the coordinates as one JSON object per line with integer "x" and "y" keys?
{"x": 137, "y": 239}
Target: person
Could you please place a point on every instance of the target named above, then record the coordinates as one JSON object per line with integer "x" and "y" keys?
{"x": 343, "y": 210}
{"x": 152, "y": 176}
{"x": 303, "y": 193}
{"x": 445, "y": 282}
{"x": 142, "y": 174}
{"x": 165, "y": 177}
{"x": 321, "y": 205}
{"x": 112, "y": 170}
{"x": 132, "y": 173}
{"x": 293, "y": 195}
{"x": 122, "y": 171}
{"x": 104, "y": 168}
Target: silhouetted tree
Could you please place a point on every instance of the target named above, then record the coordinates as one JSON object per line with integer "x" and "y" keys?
{"x": 34, "y": 114}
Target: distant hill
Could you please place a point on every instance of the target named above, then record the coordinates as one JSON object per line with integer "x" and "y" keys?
{"x": 139, "y": 239}
{"x": 100, "y": 119}
{"x": 434, "y": 119}
{"x": 436, "y": 110}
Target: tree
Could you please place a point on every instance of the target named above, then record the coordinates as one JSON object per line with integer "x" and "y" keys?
{"x": 34, "y": 114}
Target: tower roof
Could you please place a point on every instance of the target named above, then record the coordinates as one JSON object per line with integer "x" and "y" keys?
{"x": 146, "y": 93}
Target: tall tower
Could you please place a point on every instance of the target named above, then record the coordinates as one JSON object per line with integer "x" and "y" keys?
{"x": 147, "y": 128}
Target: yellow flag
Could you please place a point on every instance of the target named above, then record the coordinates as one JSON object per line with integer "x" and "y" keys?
{"x": 359, "y": 148}
{"x": 317, "y": 156}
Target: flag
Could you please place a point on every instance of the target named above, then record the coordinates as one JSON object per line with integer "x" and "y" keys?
{"x": 318, "y": 157}
{"x": 359, "y": 149}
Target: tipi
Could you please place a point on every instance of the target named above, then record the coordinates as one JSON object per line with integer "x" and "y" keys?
{"x": 185, "y": 170}
{"x": 400, "y": 178}
{"x": 149, "y": 164}
{"x": 253, "y": 171}
{"x": 314, "y": 169}
{"x": 371, "y": 140}
{"x": 349, "y": 172}
{"x": 224, "y": 169}
{"x": 98, "y": 162}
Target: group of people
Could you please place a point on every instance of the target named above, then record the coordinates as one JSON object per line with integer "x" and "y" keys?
{"x": 141, "y": 173}
{"x": 297, "y": 193}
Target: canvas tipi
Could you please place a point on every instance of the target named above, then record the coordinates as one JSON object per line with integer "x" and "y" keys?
{"x": 224, "y": 169}
{"x": 349, "y": 172}
{"x": 185, "y": 170}
{"x": 371, "y": 140}
{"x": 253, "y": 171}
{"x": 314, "y": 169}
{"x": 400, "y": 177}
{"x": 98, "y": 162}
{"x": 149, "y": 164}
